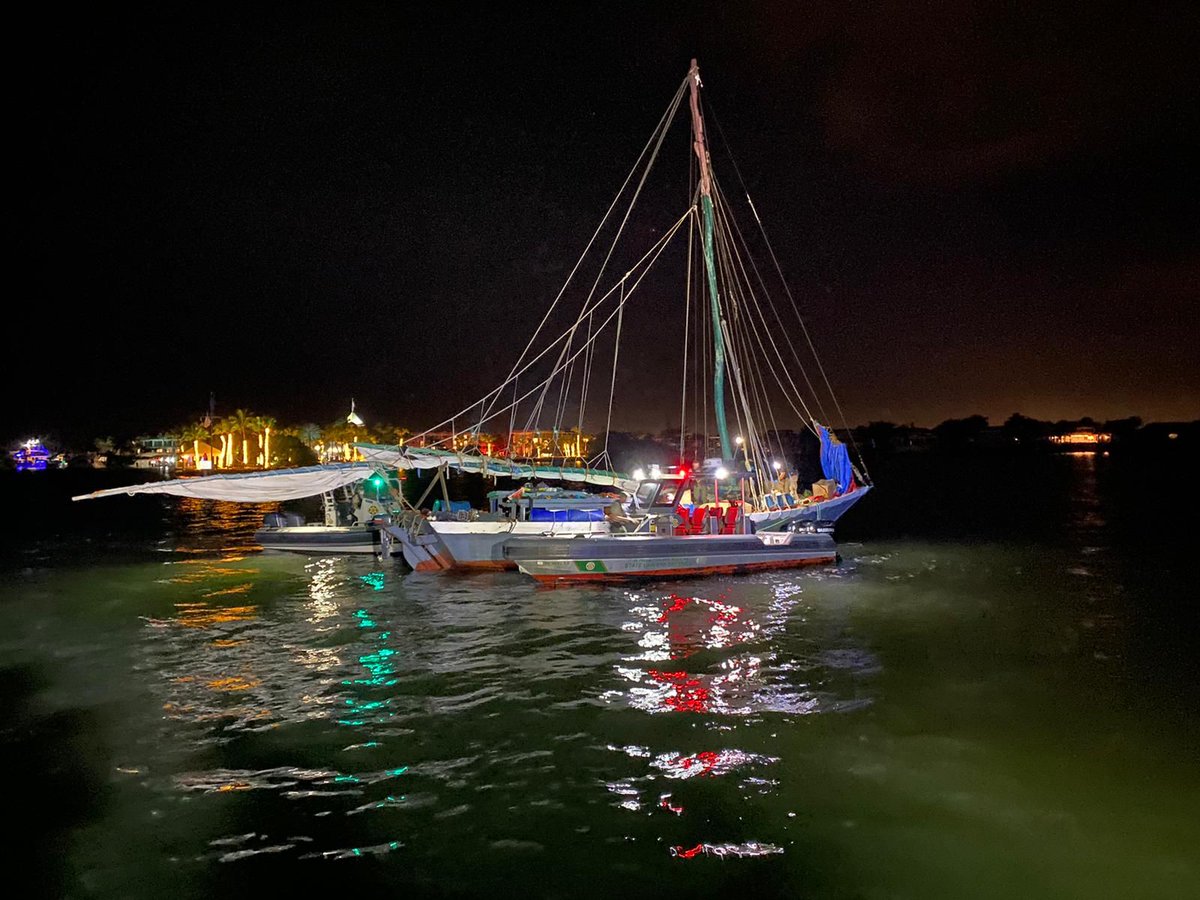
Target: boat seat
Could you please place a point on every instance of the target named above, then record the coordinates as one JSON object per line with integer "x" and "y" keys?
{"x": 769, "y": 503}
{"x": 685, "y": 520}
{"x": 698, "y": 520}
{"x": 729, "y": 525}
{"x": 791, "y": 501}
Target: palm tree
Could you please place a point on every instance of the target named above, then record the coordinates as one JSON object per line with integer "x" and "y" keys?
{"x": 243, "y": 421}
{"x": 266, "y": 423}
{"x": 336, "y": 435}
{"x": 225, "y": 428}
{"x": 193, "y": 432}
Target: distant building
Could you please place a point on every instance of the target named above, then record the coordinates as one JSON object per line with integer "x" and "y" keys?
{"x": 1081, "y": 437}
{"x": 158, "y": 452}
{"x": 537, "y": 444}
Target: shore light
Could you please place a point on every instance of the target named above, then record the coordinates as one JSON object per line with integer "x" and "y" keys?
{"x": 638, "y": 474}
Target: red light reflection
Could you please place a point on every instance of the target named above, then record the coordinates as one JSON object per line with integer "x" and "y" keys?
{"x": 690, "y": 695}
{"x": 664, "y": 802}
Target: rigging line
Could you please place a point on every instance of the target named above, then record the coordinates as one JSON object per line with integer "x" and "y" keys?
{"x": 756, "y": 383}
{"x": 745, "y": 381}
{"x": 783, "y": 364}
{"x": 704, "y": 367}
{"x": 656, "y": 250}
{"x": 737, "y": 293}
{"x": 820, "y": 366}
{"x": 755, "y": 388}
{"x": 687, "y": 318}
{"x": 649, "y": 258}
{"x": 754, "y": 210}
{"x": 588, "y": 360}
{"x": 752, "y": 453}
{"x": 795, "y": 307}
{"x": 662, "y": 244}
{"x": 731, "y": 232}
{"x": 734, "y": 343}
{"x": 783, "y": 330}
{"x": 662, "y": 134}
{"x": 612, "y": 387}
{"x": 699, "y": 439}
{"x": 564, "y": 388}
{"x": 663, "y": 124}
{"x": 512, "y": 419}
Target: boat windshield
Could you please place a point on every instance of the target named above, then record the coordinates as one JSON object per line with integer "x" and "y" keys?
{"x": 646, "y": 491}
{"x": 666, "y": 496}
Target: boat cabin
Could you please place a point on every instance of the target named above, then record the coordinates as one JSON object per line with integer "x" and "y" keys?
{"x": 691, "y": 505}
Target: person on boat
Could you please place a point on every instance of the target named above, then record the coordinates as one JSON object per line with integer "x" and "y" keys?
{"x": 616, "y": 516}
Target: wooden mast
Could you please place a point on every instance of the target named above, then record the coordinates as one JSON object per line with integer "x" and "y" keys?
{"x": 706, "y": 209}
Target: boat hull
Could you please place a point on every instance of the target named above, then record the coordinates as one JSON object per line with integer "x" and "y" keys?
{"x": 625, "y": 557}
{"x": 480, "y": 545}
{"x": 319, "y": 539}
{"x": 818, "y": 515}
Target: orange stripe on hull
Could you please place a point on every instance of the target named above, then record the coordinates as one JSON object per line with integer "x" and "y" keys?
{"x": 486, "y": 565}
{"x": 674, "y": 573}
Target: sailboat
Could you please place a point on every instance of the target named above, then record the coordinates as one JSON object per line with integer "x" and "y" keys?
{"x": 726, "y": 506}
{"x": 734, "y": 511}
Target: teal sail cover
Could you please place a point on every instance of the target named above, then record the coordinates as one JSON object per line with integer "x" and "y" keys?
{"x": 835, "y": 460}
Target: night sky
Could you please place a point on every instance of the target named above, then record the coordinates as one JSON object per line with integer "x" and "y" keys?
{"x": 980, "y": 207}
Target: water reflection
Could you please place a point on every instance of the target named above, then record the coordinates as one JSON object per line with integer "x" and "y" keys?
{"x": 225, "y": 663}
{"x": 717, "y": 656}
{"x": 728, "y": 658}
{"x": 205, "y": 526}
{"x": 1030, "y": 709}
{"x": 373, "y": 666}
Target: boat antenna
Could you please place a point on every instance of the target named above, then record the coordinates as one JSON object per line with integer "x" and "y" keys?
{"x": 706, "y": 208}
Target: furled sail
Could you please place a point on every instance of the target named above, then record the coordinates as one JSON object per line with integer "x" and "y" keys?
{"x": 251, "y": 487}
{"x": 428, "y": 458}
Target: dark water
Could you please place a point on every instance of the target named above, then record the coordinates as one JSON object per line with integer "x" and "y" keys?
{"x": 993, "y": 695}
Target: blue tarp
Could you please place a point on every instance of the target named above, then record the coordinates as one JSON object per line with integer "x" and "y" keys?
{"x": 538, "y": 514}
{"x": 835, "y": 460}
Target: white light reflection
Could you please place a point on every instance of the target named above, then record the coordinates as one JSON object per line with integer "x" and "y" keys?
{"x": 749, "y": 848}
{"x": 678, "y": 766}
{"x": 322, "y": 585}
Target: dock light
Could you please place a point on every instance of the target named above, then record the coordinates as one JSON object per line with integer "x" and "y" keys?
{"x": 738, "y": 440}
{"x": 638, "y": 474}
{"x": 722, "y": 473}
{"x": 655, "y": 471}
{"x": 777, "y": 466}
